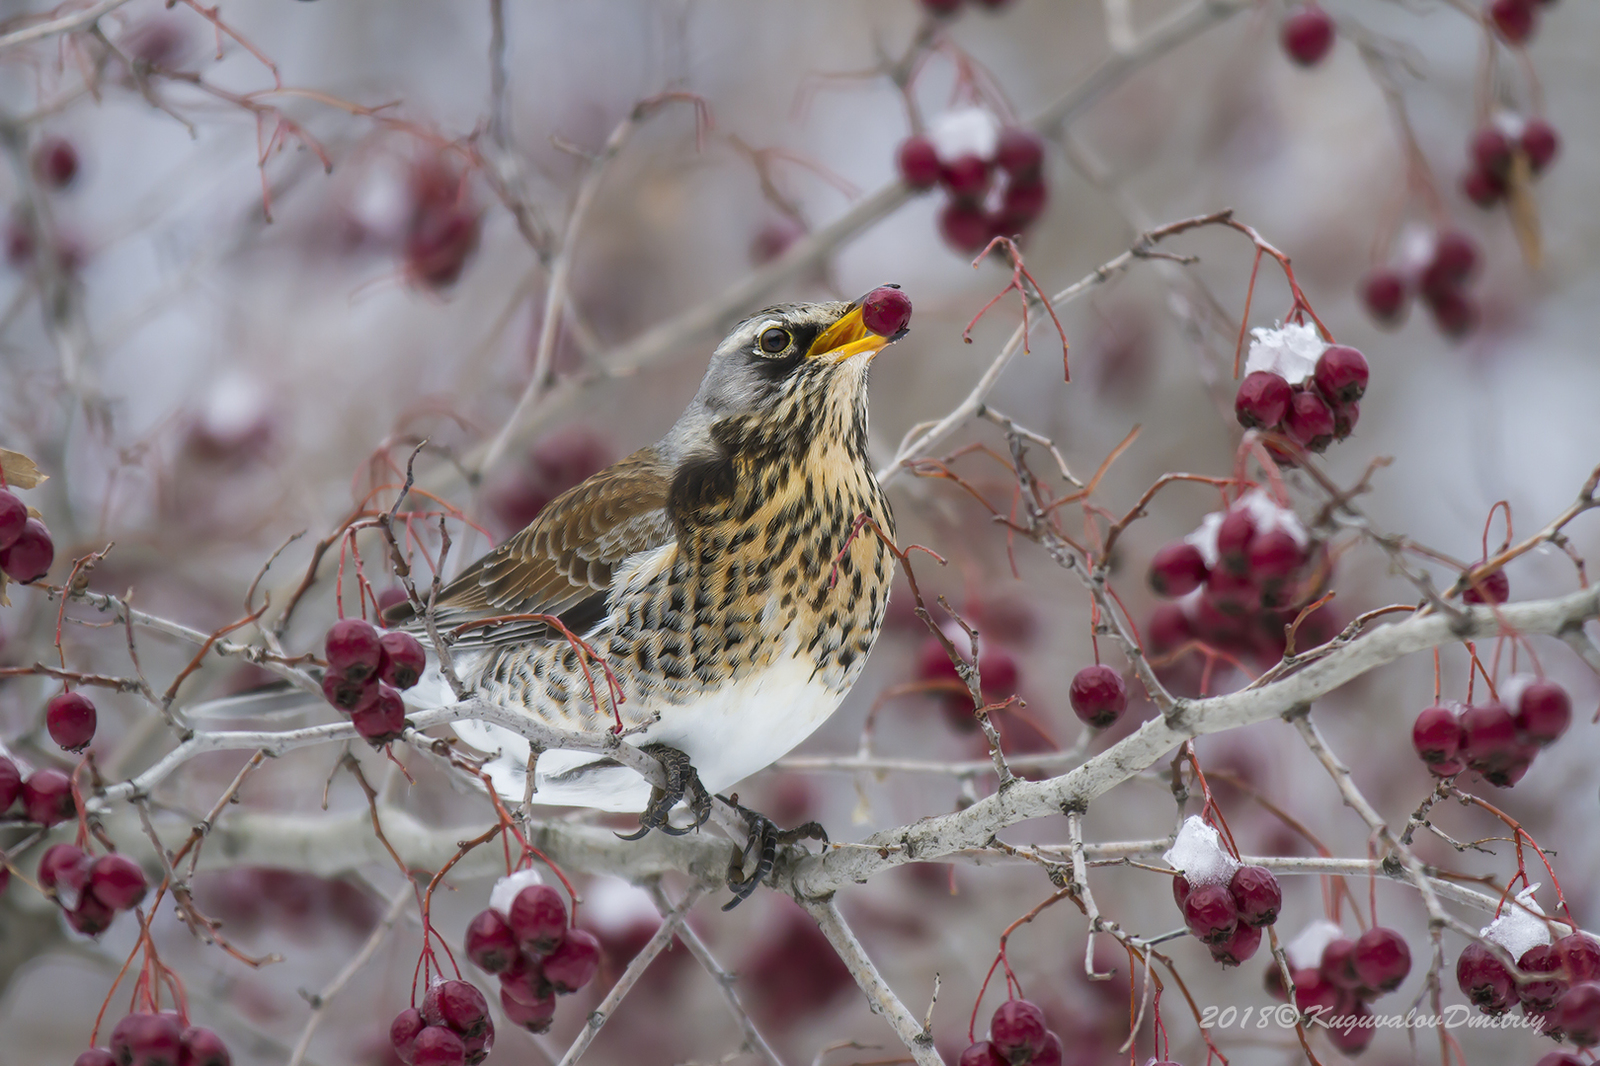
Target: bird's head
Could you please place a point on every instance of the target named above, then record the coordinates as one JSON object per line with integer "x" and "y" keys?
{"x": 797, "y": 364}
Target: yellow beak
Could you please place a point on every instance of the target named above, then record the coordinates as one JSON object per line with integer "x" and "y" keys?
{"x": 846, "y": 338}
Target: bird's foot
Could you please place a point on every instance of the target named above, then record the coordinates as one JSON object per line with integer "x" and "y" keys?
{"x": 682, "y": 784}
{"x": 765, "y": 838}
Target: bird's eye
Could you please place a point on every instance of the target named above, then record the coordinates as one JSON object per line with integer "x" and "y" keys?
{"x": 775, "y": 340}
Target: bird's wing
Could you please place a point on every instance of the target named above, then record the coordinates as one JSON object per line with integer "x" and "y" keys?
{"x": 562, "y": 563}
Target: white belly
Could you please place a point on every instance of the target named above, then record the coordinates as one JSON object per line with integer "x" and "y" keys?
{"x": 742, "y": 728}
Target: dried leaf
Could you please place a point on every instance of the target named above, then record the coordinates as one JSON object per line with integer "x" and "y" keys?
{"x": 20, "y": 471}
{"x": 1524, "y": 210}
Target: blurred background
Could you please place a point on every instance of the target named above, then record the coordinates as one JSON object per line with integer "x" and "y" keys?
{"x": 202, "y": 380}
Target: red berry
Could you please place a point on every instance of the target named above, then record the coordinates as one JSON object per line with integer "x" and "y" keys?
{"x": 965, "y": 227}
{"x": 1098, "y": 696}
{"x": 1020, "y": 153}
{"x": 1577, "y": 1014}
{"x": 1345, "y": 417}
{"x": 1017, "y": 1030}
{"x": 524, "y": 981}
{"x": 1482, "y": 187}
{"x": 1307, "y": 35}
{"x": 1491, "y": 151}
{"x": 1580, "y": 956}
{"x": 10, "y": 783}
{"x": 56, "y": 162}
{"x": 1493, "y": 587}
{"x": 1309, "y": 421}
{"x": 1437, "y": 735}
{"x": 403, "y": 659}
{"x": 90, "y": 917}
{"x": 117, "y": 881}
{"x": 1540, "y": 143}
{"x": 1338, "y": 964}
{"x": 1262, "y": 400}
{"x": 403, "y": 1032}
{"x": 347, "y": 695}
{"x": 1346, "y": 1030}
{"x": 95, "y": 1056}
{"x": 1382, "y": 960}
{"x": 1454, "y": 261}
{"x": 438, "y": 1046}
{"x": 1256, "y": 894}
{"x": 1180, "y": 890}
{"x": 478, "y": 1047}
{"x": 1490, "y": 735}
{"x": 47, "y": 797}
{"x": 966, "y": 178}
{"x": 918, "y": 162}
{"x": 354, "y": 649}
{"x": 534, "y": 1017}
{"x": 1543, "y": 712}
{"x": 1485, "y": 980}
{"x": 490, "y": 944}
{"x": 981, "y": 1054}
{"x": 1274, "y": 555}
{"x": 1386, "y": 296}
{"x": 538, "y": 919}
{"x": 1023, "y": 202}
{"x": 574, "y": 962}
{"x": 1168, "y": 628}
{"x": 1454, "y": 312}
{"x": 458, "y": 1005}
{"x": 1560, "y": 1058}
{"x": 13, "y": 516}
{"x": 1238, "y": 948}
{"x": 1540, "y": 996}
{"x": 1315, "y": 993}
{"x": 202, "y": 1047}
{"x": 444, "y": 227}
{"x": 148, "y": 1040}
{"x": 886, "y": 311}
{"x": 1234, "y": 534}
{"x": 29, "y": 556}
{"x": 384, "y": 720}
{"x": 70, "y": 718}
{"x": 1177, "y": 569}
{"x": 1514, "y": 19}
{"x": 1210, "y": 913}
{"x": 1341, "y": 374}
{"x": 64, "y": 871}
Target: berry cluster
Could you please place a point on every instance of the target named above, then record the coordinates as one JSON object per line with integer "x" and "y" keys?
{"x": 1436, "y": 267}
{"x": 1300, "y": 385}
{"x": 366, "y": 670}
{"x": 1238, "y": 579}
{"x": 1494, "y": 149}
{"x": 1224, "y": 903}
{"x": 1491, "y": 738}
{"x": 158, "y": 1039}
{"x": 1307, "y": 34}
{"x": 1098, "y": 696}
{"x": 1515, "y": 20}
{"x": 89, "y": 891}
{"x": 964, "y": 152}
{"x": 46, "y": 794}
{"x": 1018, "y": 1036}
{"x": 524, "y": 939}
{"x": 1567, "y": 1004}
{"x": 1337, "y": 977}
{"x": 453, "y": 1028}
{"x": 26, "y": 550}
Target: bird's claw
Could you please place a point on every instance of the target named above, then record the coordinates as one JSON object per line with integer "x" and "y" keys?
{"x": 682, "y": 783}
{"x": 765, "y": 838}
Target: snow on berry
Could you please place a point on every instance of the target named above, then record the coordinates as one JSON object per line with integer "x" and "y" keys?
{"x": 965, "y": 131}
{"x": 508, "y": 887}
{"x": 1304, "y": 952}
{"x": 1199, "y": 854}
{"x": 1521, "y": 926}
{"x": 1291, "y": 351}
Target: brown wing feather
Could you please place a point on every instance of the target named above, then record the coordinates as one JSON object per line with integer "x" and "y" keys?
{"x": 565, "y": 558}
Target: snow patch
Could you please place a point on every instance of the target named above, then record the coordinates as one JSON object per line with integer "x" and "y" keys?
{"x": 1291, "y": 351}
{"x": 506, "y": 889}
{"x": 1198, "y": 852}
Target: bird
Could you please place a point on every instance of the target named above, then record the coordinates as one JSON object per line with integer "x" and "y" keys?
{"x": 733, "y": 576}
